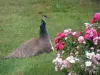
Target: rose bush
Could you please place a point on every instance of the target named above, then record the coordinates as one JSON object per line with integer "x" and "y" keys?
{"x": 77, "y": 51}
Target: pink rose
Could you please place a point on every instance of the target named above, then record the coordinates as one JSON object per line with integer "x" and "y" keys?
{"x": 57, "y": 46}
{"x": 90, "y": 34}
{"x": 81, "y": 39}
{"x": 95, "y": 40}
{"x": 97, "y": 56}
{"x": 61, "y": 47}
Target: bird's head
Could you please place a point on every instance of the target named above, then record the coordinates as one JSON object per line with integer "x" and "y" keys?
{"x": 44, "y": 17}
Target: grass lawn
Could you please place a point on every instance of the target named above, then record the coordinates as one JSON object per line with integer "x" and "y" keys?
{"x": 20, "y": 20}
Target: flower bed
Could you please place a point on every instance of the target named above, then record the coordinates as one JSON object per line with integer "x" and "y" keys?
{"x": 78, "y": 52}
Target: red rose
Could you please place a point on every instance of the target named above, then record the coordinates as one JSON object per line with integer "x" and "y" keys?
{"x": 56, "y": 40}
{"x": 62, "y": 36}
{"x": 59, "y": 34}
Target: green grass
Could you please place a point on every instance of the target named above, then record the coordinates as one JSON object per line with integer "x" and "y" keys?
{"x": 20, "y": 20}
{"x": 30, "y": 66}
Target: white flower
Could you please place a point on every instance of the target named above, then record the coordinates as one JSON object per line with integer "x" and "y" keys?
{"x": 98, "y": 50}
{"x": 66, "y": 31}
{"x": 77, "y": 47}
{"x": 95, "y": 43}
{"x": 69, "y": 73}
{"x": 66, "y": 64}
{"x": 89, "y": 55}
{"x": 57, "y": 60}
{"x": 72, "y": 73}
{"x": 54, "y": 61}
{"x": 98, "y": 27}
{"x": 76, "y": 59}
{"x": 60, "y": 61}
{"x": 84, "y": 42}
{"x": 87, "y": 24}
{"x": 56, "y": 68}
{"x": 69, "y": 30}
{"x": 88, "y": 63}
{"x": 76, "y": 53}
{"x": 92, "y": 48}
{"x": 62, "y": 67}
{"x": 63, "y": 52}
{"x": 70, "y": 59}
{"x": 58, "y": 55}
{"x": 66, "y": 38}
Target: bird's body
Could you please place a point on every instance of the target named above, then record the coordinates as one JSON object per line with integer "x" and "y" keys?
{"x": 34, "y": 46}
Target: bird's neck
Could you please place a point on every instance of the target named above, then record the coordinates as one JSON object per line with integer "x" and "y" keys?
{"x": 43, "y": 30}
{"x": 44, "y": 33}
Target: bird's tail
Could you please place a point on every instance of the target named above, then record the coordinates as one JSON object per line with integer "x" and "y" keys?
{"x": 9, "y": 56}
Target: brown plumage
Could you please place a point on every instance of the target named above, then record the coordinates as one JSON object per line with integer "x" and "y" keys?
{"x": 34, "y": 46}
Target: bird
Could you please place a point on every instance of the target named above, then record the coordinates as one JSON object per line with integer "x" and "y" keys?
{"x": 35, "y": 46}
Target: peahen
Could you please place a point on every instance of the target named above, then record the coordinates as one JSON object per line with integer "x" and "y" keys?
{"x": 34, "y": 46}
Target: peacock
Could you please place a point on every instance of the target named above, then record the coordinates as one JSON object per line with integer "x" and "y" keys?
{"x": 34, "y": 46}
